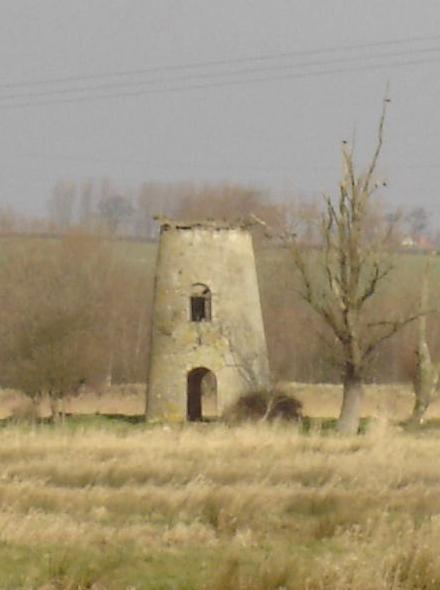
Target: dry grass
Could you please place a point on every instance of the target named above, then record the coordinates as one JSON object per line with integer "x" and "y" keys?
{"x": 393, "y": 402}
{"x": 210, "y": 507}
{"x": 127, "y": 400}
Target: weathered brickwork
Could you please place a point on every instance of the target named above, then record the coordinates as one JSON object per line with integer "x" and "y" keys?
{"x": 223, "y": 337}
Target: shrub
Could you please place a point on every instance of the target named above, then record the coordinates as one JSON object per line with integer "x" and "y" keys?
{"x": 263, "y": 405}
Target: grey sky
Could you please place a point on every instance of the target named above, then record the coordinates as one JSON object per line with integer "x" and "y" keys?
{"x": 280, "y": 134}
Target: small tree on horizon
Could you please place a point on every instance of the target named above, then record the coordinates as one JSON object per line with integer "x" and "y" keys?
{"x": 115, "y": 210}
{"x": 355, "y": 265}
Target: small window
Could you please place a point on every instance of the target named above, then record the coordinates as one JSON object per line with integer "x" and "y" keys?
{"x": 200, "y": 303}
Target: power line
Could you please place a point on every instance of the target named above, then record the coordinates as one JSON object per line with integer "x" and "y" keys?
{"x": 214, "y": 75}
{"x": 240, "y": 82}
{"x": 213, "y": 166}
{"x": 222, "y": 62}
{"x": 167, "y": 165}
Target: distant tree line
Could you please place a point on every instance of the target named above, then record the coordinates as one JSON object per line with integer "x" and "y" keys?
{"x": 103, "y": 207}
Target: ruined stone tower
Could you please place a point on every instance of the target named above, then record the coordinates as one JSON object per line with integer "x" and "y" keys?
{"x": 208, "y": 342}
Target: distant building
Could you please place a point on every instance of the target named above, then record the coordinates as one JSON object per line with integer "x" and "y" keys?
{"x": 208, "y": 340}
{"x": 418, "y": 244}
{"x": 408, "y": 242}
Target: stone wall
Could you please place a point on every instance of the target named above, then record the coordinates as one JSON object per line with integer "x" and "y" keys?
{"x": 232, "y": 345}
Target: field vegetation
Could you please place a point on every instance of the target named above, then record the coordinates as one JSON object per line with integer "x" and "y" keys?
{"x": 105, "y": 501}
{"x": 108, "y": 505}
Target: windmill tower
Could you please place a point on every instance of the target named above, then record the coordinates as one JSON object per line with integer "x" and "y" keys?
{"x": 208, "y": 341}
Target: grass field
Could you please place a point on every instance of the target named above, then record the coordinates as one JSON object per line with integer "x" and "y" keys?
{"x": 104, "y": 504}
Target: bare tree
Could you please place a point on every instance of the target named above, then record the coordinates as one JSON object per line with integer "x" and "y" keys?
{"x": 418, "y": 221}
{"x": 155, "y": 199}
{"x": 61, "y": 204}
{"x": 86, "y": 203}
{"x": 228, "y": 202}
{"x": 355, "y": 264}
{"x": 115, "y": 210}
{"x": 10, "y": 221}
{"x": 426, "y": 376}
{"x": 53, "y": 310}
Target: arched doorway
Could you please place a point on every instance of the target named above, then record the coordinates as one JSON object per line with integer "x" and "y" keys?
{"x": 201, "y": 395}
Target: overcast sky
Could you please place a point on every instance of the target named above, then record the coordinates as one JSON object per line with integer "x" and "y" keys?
{"x": 282, "y": 132}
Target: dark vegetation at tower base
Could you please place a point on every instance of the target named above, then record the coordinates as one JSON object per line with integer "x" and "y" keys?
{"x": 264, "y": 406}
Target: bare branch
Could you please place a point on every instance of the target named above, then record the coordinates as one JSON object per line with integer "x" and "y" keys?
{"x": 349, "y": 167}
{"x": 331, "y": 353}
{"x": 376, "y": 155}
{"x": 371, "y": 287}
{"x": 393, "y": 326}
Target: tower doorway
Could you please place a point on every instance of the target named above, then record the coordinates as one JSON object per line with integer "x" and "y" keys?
{"x": 201, "y": 395}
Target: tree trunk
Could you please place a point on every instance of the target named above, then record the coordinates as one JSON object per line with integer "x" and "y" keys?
{"x": 425, "y": 384}
{"x": 62, "y": 409}
{"x": 36, "y": 400}
{"x": 420, "y": 407}
{"x": 53, "y": 401}
{"x": 351, "y": 404}
{"x": 57, "y": 408}
{"x": 109, "y": 376}
{"x": 426, "y": 376}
